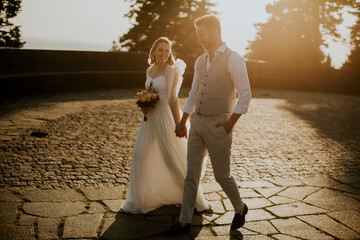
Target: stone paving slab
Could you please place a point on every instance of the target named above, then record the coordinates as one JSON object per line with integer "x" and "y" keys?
{"x": 296, "y": 228}
{"x": 331, "y": 226}
{"x": 264, "y": 227}
{"x": 82, "y": 226}
{"x": 319, "y": 181}
{"x": 348, "y": 218}
{"x": 101, "y": 193}
{"x": 294, "y": 209}
{"x": 8, "y": 212}
{"x": 26, "y": 220}
{"x": 340, "y": 201}
{"x": 17, "y": 232}
{"x": 58, "y": 209}
{"x": 259, "y": 214}
{"x": 9, "y": 196}
{"x": 217, "y": 207}
{"x": 59, "y": 195}
{"x": 96, "y": 207}
{"x": 299, "y": 193}
{"x": 281, "y": 200}
{"x": 255, "y": 203}
{"x": 269, "y": 191}
{"x": 48, "y": 228}
{"x": 114, "y": 205}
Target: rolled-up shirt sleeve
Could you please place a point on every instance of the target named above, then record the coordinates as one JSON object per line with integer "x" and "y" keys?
{"x": 190, "y": 103}
{"x": 238, "y": 73}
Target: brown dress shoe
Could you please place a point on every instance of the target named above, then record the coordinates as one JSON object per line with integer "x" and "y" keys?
{"x": 177, "y": 229}
{"x": 239, "y": 219}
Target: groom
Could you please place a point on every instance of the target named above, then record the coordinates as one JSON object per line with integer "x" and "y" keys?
{"x": 218, "y": 74}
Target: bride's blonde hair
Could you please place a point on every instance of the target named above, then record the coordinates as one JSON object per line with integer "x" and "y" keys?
{"x": 171, "y": 58}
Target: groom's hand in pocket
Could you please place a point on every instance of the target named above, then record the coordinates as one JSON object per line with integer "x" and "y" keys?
{"x": 227, "y": 125}
{"x": 230, "y": 123}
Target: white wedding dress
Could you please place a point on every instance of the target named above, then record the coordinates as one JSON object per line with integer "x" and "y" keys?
{"x": 158, "y": 165}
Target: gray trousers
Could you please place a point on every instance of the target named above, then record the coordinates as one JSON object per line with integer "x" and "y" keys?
{"x": 205, "y": 136}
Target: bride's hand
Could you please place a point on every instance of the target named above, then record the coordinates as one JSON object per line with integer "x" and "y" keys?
{"x": 145, "y": 110}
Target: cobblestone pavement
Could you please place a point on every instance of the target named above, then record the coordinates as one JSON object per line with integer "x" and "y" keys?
{"x": 295, "y": 157}
{"x": 90, "y": 139}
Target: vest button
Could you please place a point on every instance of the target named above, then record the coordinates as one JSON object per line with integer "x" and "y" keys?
{"x": 202, "y": 93}
{"x": 204, "y": 84}
{"x": 200, "y": 102}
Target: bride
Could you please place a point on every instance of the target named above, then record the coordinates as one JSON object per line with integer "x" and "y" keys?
{"x": 158, "y": 165}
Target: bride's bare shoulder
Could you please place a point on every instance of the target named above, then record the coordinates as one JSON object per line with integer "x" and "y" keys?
{"x": 148, "y": 70}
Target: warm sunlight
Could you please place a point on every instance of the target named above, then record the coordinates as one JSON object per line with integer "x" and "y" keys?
{"x": 189, "y": 119}
{"x": 88, "y": 25}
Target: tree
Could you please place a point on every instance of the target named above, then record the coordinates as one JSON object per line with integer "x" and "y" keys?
{"x": 9, "y": 34}
{"x": 353, "y": 62}
{"x": 295, "y": 29}
{"x": 173, "y": 19}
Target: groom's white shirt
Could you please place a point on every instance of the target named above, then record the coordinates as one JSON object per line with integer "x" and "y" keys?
{"x": 238, "y": 73}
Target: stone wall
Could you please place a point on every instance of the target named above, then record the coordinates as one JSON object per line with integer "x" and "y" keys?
{"x": 24, "y": 72}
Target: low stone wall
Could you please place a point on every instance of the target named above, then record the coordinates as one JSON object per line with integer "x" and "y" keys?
{"x": 303, "y": 78}
{"x": 24, "y": 72}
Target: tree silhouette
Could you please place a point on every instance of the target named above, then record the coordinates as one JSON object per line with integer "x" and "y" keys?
{"x": 294, "y": 32}
{"x": 173, "y": 19}
{"x": 353, "y": 62}
{"x": 9, "y": 34}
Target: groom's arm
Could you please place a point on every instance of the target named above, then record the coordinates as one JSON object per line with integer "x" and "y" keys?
{"x": 190, "y": 103}
{"x": 238, "y": 73}
{"x": 181, "y": 130}
{"x": 229, "y": 124}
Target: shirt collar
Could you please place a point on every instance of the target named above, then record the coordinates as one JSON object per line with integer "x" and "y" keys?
{"x": 221, "y": 49}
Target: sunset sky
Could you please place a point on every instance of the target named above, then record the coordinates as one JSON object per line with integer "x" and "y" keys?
{"x": 93, "y": 24}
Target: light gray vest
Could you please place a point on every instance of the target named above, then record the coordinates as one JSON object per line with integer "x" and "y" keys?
{"x": 216, "y": 94}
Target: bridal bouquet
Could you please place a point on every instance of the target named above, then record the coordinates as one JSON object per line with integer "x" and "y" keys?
{"x": 147, "y": 98}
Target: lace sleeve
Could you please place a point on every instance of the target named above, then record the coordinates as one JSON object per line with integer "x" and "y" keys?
{"x": 175, "y": 79}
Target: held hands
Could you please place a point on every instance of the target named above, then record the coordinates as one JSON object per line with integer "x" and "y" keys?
{"x": 181, "y": 130}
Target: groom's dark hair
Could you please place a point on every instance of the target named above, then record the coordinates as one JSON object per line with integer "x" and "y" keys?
{"x": 209, "y": 21}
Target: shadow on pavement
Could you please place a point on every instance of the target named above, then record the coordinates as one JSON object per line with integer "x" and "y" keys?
{"x": 145, "y": 226}
{"x": 150, "y": 226}
{"x": 334, "y": 116}
{"x": 337, "y": 120}
{"x": 31, "y": 101}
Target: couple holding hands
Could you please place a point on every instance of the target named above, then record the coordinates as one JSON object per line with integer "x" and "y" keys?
{"x": 166, "y": 167}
